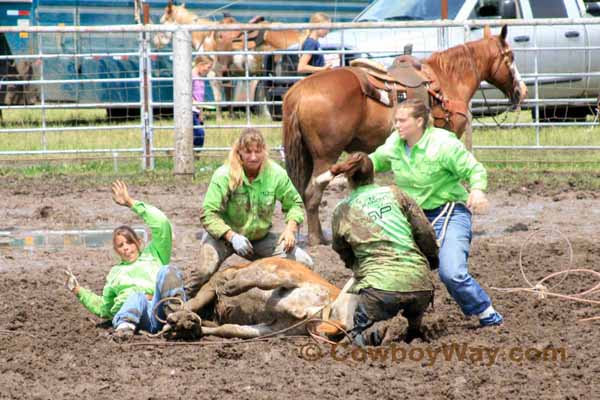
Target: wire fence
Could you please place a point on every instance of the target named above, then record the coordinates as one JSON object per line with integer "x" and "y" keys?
{"x": 77, "y": 91}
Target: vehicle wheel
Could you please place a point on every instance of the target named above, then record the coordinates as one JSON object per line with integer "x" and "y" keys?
{"x": 562, "y": 113}
{"x": 122, "y": 113}
{"x": 276, "y": 110}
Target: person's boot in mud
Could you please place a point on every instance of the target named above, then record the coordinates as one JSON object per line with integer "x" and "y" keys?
{"x": 124, "y": 332}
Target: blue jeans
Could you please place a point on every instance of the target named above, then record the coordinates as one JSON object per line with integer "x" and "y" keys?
{"x": 454, "y": 268}
{"x": 138, "y": 310}
{"x": 198, "y": 130}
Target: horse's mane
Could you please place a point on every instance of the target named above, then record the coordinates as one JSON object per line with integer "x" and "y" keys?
{"x": 457, "y": 60}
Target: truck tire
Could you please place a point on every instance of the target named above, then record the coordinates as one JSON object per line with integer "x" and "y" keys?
{"x": 562, "y": 113}
{"x": 122, "y": 113}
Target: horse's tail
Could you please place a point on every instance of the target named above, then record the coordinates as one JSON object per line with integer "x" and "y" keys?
{"x": 298, "y": 162}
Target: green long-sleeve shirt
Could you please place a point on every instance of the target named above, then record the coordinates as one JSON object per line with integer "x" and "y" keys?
{"x": 139, "y": 276}
{"x": 249, "y": 209}
{"x": 383, "y": 235}
{"x": 433, "y": 172}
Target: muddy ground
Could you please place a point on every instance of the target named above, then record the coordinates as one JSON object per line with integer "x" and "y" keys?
{"x": 51, "y": 348}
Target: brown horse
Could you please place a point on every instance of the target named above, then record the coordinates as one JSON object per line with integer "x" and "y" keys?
{"x": 327, "y": 113}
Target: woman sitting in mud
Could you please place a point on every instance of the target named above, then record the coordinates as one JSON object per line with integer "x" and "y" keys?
{"x": 143, "y": 277}
{"x": 384, "y": 237}
{"x": 238, "y": 208}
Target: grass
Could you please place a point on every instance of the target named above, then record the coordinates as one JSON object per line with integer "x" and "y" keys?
{"x": 99, "y": 138}
{"x": 535, "y": 164}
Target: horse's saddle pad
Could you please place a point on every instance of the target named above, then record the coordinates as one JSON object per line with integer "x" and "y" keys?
{"x": 376, "y": 88}
{"x": 374, "y": 69}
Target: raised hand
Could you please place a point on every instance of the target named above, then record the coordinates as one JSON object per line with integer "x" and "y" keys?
{"x": 71, "y": 282}
{"x": 120, "y": 194}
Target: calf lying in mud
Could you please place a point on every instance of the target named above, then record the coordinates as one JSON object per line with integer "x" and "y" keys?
{"x": 264, "y": 297}
{"x": 274, "y": 296}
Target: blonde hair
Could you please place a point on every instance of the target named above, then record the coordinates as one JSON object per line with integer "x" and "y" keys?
{"x": 248, "y": 137}
{"x": 318, "y": 17}
{"x": 203, "y": 59}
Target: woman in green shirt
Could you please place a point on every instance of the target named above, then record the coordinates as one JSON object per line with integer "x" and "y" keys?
{"x": 143, "y": 277}
{"x": 238, "y": 209}
{"x": 430, "y": 164}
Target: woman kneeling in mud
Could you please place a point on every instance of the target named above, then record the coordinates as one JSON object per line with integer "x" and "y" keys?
{"x": 238, "y": 209}
{"x": 384, "y": 237}
{"x": 143, "y": 277}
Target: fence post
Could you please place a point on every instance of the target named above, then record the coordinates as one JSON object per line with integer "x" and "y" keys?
{"x": 145, "y": 86}
{"x": 182, "y": 102}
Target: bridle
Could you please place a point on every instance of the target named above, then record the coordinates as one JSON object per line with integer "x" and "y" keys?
{"x": 507, "y": 58}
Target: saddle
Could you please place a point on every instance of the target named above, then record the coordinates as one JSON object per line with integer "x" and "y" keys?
{"x": 255, "y": 38}
{"x": 408, "y": 78}
{"x": 404, "y": 79}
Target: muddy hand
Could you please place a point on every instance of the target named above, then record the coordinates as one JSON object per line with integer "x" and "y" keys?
{"x": 71, "y": 282}
{"x": 120, "y": 194}
{"x": 288, "y": 237}
{"x": 477, "y": 202}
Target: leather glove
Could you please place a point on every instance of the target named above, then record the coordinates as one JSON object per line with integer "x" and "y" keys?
{"x": 242, "y": 245}
{"x": 71, "y": 282}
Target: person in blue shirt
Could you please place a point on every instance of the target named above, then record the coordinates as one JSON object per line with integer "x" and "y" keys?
{"x": 310, "y": 62}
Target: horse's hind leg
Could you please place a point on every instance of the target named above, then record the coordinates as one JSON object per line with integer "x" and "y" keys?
{"x": 312, "y": 200}
{"x": 216, "y": 86}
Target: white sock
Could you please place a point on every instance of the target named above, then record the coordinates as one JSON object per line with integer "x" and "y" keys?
{"x": 126, "y": 325}
{"x": 486, "y": 313}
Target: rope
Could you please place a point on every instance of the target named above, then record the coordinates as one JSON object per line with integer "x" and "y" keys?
{"x": 542, "y": 291}
{"x": 448, "y": 209}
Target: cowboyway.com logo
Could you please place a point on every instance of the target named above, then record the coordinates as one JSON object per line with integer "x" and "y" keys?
{"x": 430, "y": 355}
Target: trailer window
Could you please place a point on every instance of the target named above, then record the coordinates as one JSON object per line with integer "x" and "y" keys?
{"x": 548, "y": 9}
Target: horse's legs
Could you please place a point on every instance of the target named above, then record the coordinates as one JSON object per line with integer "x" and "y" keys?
{"x": 215, "y": 85}
{"x": 238, "y": 331}
{"x": 312, "y": 200}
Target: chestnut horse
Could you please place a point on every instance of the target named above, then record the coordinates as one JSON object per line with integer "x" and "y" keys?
{"x": 327, "y": 113}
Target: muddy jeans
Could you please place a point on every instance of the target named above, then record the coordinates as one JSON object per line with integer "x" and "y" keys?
{"x": 214, "y": 251}
{"x": 139, "y": 311}
{"x": 380, "y": 305}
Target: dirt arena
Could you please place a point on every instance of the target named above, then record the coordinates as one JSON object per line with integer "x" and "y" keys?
{"x": 52, "y": 348}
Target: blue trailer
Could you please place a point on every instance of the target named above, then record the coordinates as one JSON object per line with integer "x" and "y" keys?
{"x": 126, "y": 65}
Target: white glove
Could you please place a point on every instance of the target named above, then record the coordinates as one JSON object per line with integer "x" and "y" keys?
{"x": 242, "y": 245}
{"x": 71, "y": 282}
